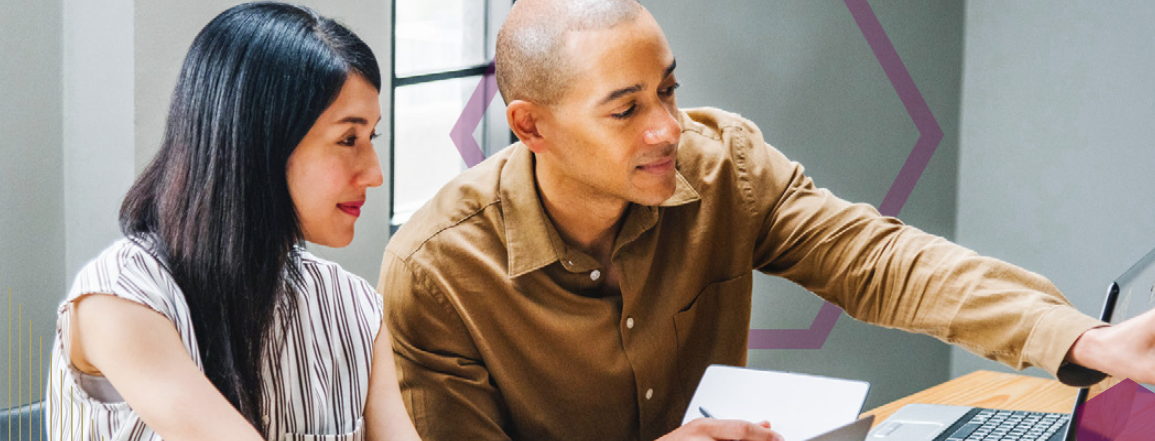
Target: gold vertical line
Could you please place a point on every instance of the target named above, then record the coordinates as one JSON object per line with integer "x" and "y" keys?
{"x": 30, "y": 382}
{"x": 9, "y": 355}
{"x": 44, "y": 406}
{"x": 60, "y": 428}
{"x": 19, "y": 363}
{"x": 19, "y": 370}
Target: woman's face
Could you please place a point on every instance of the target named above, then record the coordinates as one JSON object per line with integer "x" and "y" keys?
{"x": 334, "y": 164}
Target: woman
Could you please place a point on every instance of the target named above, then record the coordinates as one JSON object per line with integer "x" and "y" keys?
{"x": 209, "y": 321}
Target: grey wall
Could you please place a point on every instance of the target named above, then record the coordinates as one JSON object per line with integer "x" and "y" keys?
{"x": 97, "y": 125}
{"x": 803, "y": 72}
{"x": 31, "y": 189}
{"x": 1056, "y": 172}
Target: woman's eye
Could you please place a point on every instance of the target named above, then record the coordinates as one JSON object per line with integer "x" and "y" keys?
{"x": 626, "y": 113}
{"x": 670, "y": 90}
{"x": 374, "y": 136}
{"x": 348, "y": 142}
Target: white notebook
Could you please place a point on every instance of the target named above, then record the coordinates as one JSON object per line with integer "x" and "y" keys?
{"x": 798, "y": 406}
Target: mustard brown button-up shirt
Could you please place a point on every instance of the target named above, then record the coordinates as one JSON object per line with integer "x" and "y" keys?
{"x": 501, "y": 331}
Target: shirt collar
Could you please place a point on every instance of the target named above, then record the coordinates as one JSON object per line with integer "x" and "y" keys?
{"x": 527, "y": 229}
{"x": 532, "y": 241}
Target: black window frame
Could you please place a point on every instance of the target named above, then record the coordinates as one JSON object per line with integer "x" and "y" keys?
{"x": 398, "y": 82}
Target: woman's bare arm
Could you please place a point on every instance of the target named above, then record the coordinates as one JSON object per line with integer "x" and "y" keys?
{"x": 141, "y": 354}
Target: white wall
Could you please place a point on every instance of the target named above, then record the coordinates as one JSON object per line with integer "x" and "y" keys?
{"x": 1057, "y": 171}
{"x": 31, "y": 190}
{"x": 803, "y": 72}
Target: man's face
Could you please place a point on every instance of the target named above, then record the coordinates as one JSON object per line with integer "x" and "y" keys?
{"x": 616, "y": 132}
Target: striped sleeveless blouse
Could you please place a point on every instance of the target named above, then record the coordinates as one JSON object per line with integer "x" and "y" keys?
{"x": 316, "y": 375}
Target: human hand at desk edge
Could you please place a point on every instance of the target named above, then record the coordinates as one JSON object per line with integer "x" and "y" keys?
{"x": 710, "y": 429}
{"x": 1126, "y": 350}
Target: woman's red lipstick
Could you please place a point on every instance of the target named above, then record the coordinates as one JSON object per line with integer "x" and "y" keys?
{"x": 353, "y": 208}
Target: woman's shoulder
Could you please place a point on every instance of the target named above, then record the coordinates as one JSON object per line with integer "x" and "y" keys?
{"x": 130, "y": 268}
{"x": 329, "y": 277}
{"x": 313, "y": 264}
{"x": 132, "y": 253}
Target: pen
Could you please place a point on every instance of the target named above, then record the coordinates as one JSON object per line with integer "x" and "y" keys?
{"x": 704, "y": 413}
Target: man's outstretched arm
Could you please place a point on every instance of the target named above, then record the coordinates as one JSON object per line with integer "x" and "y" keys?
{"x": 883, "y": 272}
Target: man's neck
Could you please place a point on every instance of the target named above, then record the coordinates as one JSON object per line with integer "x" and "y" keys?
{"x": 583, "y": 218}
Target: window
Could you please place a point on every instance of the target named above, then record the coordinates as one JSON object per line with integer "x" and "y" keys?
{"x": 441, "y": 50}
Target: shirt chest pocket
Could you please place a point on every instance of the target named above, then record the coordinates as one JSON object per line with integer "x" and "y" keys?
{"x": 713, "y": 329}
{"x": 357, "y": 434}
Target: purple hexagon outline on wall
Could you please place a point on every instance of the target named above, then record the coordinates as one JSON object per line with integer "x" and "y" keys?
{"x": 930, "y": 134}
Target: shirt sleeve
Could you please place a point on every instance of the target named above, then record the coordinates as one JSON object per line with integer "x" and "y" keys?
{"x": 127, "y": 271}
{"x": 439, "y": 369}
{"x": 884, "y": 272}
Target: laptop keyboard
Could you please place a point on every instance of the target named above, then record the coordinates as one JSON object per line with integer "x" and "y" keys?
{"x": 1008, "y": 425}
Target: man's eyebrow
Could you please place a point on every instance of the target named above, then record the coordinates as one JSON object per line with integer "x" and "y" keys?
{"x": 620, "y": 93}
{"x": 637, "y": 87}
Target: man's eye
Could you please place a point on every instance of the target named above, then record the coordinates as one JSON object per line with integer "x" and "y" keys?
{"x": 670, "y": 90}
{"x": 626, "y": 113}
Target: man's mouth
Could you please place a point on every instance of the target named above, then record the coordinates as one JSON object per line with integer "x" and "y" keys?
{"x": 661, "y": 166}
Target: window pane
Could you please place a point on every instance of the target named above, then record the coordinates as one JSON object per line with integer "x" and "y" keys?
{"x": 439, "y": 35}
{"x": 424, "y": 157}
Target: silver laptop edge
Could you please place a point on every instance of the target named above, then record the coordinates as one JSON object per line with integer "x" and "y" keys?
{"x": 855, "y": 431}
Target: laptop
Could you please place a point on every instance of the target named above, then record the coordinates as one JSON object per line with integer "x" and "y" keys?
{"x": 1130, "y": 295}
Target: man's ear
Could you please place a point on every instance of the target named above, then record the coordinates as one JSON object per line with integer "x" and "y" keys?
{"x": 524, "y": 118}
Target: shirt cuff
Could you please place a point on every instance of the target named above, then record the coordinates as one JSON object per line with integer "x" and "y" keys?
{"x": 1051, "y": 339}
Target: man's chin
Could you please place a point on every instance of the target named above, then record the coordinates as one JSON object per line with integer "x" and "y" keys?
{"x": 654, "y": 196}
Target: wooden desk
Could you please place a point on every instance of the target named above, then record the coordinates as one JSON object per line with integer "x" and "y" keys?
{"x": 996, "y": 391}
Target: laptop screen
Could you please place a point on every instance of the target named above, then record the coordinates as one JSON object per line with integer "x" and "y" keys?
{"x": 1130, "y": 295}
{"x": 1136, "y": 292}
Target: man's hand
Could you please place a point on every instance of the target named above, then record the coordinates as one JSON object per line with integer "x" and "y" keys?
{"x": 709, "y": 429}
{"x": 1126, "y": 350}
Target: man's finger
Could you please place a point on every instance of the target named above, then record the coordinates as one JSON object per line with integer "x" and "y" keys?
{"x": 740, "y": 430}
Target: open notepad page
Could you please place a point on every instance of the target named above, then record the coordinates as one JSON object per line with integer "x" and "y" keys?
{"x": 798, "y": 406}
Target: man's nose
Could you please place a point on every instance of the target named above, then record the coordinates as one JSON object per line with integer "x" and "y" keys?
{"x": 665, "y": 129}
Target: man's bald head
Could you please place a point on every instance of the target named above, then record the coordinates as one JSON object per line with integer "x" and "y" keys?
{"x": 532, "y": 64}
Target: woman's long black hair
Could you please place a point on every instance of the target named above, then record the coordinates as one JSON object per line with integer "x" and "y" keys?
{"x": 215, "y": 201}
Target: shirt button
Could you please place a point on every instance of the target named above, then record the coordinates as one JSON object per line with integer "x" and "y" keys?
{"x": 649, "y": 394}
{"x": 569, "y": 263}
{"x": 630, "y": 322}
{"x": 595, "y": 275}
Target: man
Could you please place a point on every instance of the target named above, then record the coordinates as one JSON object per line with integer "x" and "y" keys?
{"x": 577, "y": 284}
